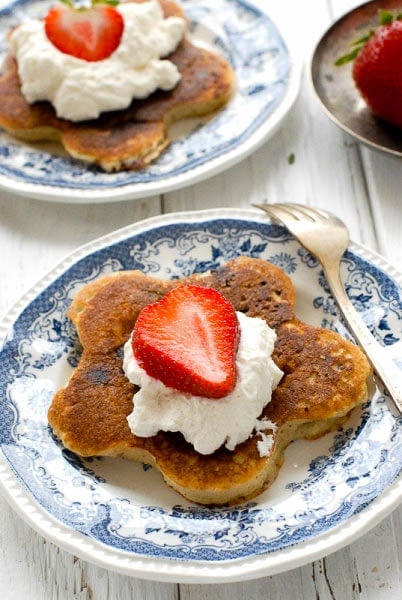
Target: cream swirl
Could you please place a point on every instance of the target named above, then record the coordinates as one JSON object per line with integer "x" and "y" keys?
{"x": 209, "y": 423}
{"x": 81, "y": 90}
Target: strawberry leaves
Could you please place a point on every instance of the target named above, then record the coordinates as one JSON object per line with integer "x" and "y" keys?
{"x": 376, "y": 69}
{"x": 356, "y": 47}
{"x": 385, "y": 17}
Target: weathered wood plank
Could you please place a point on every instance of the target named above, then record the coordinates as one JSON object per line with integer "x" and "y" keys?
{"x": 329, "y": 170}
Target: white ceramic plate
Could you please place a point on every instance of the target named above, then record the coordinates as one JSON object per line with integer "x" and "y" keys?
{"x": 121, "y": 515}
{"x": 268, "y": 80}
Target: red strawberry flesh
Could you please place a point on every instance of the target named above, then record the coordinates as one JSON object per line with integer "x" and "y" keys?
{"x": 377, "y": 72}
{"x": 189, "y": 340}
{"x": 90, "y": 34}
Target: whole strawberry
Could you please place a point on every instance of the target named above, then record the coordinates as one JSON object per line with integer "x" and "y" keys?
{"x": 90, "y": 32}
{"x": 377, "y": 70}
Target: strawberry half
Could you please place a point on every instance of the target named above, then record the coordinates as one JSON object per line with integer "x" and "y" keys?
{"x": 377, "y": 68}
{"x": 189, "y": 340}
{"x": 90, "y": 33}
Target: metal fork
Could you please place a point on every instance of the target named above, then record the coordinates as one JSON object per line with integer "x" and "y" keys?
{"x": 327, "y": 238}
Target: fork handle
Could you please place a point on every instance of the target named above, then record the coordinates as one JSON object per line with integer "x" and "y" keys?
{"x": 384, "y": 367}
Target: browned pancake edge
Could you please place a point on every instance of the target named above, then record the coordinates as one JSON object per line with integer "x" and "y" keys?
{"x": 325, "y": 377}
{"x": 130, "y": 138}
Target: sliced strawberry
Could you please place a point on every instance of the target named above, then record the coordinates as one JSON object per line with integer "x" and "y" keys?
{"x": 188, "y": 340}
{"x": 91, "y": 34}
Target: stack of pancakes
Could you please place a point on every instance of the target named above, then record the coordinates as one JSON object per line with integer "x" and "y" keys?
{"x": 325, "y": 377}
{"x": 130, "y": 138}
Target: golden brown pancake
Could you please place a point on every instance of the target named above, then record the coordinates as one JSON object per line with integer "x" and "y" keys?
{"x": 325, "y": 377}
{"x": 131, "y": 138}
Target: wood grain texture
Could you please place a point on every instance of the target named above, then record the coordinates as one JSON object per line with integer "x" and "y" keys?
{"x": 329, "y": 170}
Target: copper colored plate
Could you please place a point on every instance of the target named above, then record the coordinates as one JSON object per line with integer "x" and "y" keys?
{"x": 334, "y": 85}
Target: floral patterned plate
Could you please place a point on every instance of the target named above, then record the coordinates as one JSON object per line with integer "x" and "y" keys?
{"x": 121, "y": 515}
{"x": 267, "y": 84}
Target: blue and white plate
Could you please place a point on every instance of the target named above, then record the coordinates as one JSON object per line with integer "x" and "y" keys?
{"x": 121, "y": 515}
{"x": 267, "y": 77}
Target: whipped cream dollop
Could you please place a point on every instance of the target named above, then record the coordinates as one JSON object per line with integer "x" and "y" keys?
{"x": 209, "y": 423}
{"x": 81, "y": 90}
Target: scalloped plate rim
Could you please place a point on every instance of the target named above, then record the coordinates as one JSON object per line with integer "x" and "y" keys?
{"x": 218, "y": 164}
{"x": 178, "y": 570}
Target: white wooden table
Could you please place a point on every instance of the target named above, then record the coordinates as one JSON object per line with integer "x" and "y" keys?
{"x": 331, "y": 171}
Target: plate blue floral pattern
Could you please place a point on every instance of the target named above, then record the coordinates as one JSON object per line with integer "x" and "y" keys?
{"x": 125, "y": 506}
{"x": 265, "y": 89}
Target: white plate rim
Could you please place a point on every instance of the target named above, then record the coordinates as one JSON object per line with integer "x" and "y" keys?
{"x": 177, "y": 570}
{"x": 199, "y": 173}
